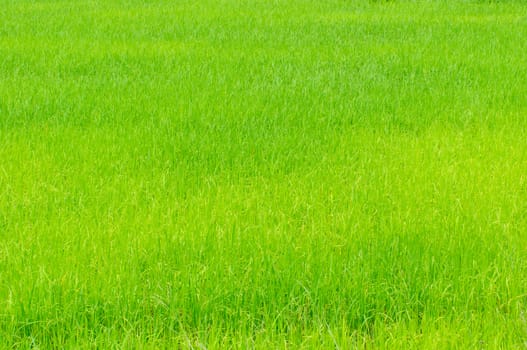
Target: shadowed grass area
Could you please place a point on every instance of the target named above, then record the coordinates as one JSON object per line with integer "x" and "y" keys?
{"x": 263, "y": 174}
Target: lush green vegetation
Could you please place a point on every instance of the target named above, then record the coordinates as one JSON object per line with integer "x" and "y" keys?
{"x": 269, "y": 174}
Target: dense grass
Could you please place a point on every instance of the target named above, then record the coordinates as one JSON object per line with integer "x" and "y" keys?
{"x": 269, "y": 174}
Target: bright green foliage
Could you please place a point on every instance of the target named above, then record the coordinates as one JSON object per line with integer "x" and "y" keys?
{"x": 269, "y": 174}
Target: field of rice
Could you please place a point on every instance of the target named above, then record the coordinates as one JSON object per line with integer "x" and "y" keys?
{"x": 267, "y": 174}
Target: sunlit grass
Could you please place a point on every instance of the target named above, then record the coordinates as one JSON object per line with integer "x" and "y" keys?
{"x": 263, "y": 174}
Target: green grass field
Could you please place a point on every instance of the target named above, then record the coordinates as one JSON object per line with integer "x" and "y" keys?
{"x": 263, "y": 174}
